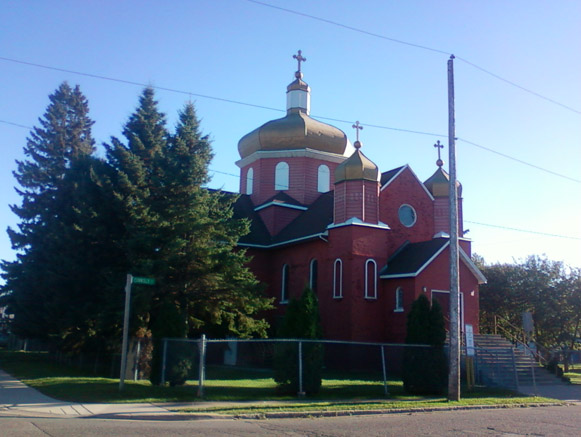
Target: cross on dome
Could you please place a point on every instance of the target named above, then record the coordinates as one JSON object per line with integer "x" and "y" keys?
{"x": 439, "y": 146}
{"x": 299, "y": 57}
{"x": 357, "y": 128}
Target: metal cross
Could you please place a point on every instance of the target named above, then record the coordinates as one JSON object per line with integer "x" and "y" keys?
{"x": 299, "y": 59}
{"x": 357, "y": 128}
{"x": 439, "y": 147}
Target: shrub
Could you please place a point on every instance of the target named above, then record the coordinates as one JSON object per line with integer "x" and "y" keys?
{"x": 301, "y": 321}
{"x": 425, "y": 369}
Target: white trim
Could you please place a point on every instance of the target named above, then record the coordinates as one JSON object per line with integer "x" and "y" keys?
{"x": 472, "y": 267}
{"x": 398, "y": 300}
{"x": 354, "y": 221}
{"x": 284, "y": 284}
{"x": 282, "y": 243}
{"x": 367, "y": 296}
{"x": 295, "y": 153}
{"x": 323, "y": 178}
{"x": 415, "y": 176}
{"x": 249, "y": 181}
{"x": 311, "y": 282}
{"x": 282, "y": 205}
{"x": 339, "y": 295}
{"x": 281, "y": 176}
{"x": 421, "y": 269}
{"x": 414, "y": 211}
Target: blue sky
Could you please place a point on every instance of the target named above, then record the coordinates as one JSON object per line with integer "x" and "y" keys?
{"x": 241, "y": 51}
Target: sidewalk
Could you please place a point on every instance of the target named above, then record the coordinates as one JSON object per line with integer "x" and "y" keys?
{"x": 19, "y": 399}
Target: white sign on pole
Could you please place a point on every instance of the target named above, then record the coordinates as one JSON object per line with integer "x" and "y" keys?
{"x": 469, "y": 331}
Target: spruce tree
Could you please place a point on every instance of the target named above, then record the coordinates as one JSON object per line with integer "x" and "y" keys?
{"x": 180, "y": 232}
{"x": 34, "y": 279}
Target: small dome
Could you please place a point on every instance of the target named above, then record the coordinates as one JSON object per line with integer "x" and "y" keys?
{"x": 357, "y": 167}
{"x": 295, "y": 131}
{"x": 439, "y": 184}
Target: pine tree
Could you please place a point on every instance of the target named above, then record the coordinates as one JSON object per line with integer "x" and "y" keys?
{"x": 63, "y": 138}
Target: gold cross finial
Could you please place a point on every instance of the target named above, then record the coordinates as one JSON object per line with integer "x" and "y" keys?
{"x": 439, "y": 146}
{"x": 357, "y": 128}
{"x": 299, "y": 57}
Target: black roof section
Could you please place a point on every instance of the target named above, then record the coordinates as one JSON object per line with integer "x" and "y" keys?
{"x": 412, "y": 257}
{"x": 388, "y": 175}
{"x": 310, "y": 223}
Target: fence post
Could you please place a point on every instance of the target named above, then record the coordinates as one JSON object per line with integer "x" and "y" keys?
{"x": 163, "y": 361}
{"x": 514, "y": 368}
{"x": 385, "y": 389}
{"x": 202, "y": 348}
{"x": 301, "y": 393}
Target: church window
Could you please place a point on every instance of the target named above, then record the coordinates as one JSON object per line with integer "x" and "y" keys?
{"x": 407, "y": 215}
{"x": 281, "y": 176}
{"x": 284, "y": 284}
{"x": 398, "y": 300}
{"x": 338, "y": 279}
{"x": 370, "y": 279}
{"x": 323, "y": 179}
{"x": 249, "y": 180}
{"x": 313, "y": 275}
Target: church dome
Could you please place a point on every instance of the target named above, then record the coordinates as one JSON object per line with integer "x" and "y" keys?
{"x": 357, "y": 167}
{"x": 295, "y": 131}
{"x": 439, "y": 184}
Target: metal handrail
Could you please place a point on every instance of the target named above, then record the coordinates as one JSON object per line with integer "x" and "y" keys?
{"x": 506, "y": 333}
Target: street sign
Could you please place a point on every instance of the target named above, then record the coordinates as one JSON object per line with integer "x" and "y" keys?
{"x": 142, "y": 280}
{"x": 469, "y": 331}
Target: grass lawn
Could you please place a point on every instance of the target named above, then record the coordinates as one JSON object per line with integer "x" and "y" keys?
{"x": 339, "y": 391}
{"x": 574, "y": 374}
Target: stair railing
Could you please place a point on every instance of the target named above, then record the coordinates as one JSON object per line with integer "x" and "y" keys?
{"x": 540, "y": 352}
{"x": 494, "y": 366}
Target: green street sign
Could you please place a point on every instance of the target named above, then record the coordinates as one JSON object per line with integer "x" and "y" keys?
{"x": 142, "y": 280}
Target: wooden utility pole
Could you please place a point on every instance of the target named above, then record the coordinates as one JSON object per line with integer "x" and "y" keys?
{"x": 454, "y": 350}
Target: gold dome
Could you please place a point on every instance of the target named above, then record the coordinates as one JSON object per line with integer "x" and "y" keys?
{"x": 295, "y": 131}
{"x": 439, "y": 184}
{"x": 357, "y": 167}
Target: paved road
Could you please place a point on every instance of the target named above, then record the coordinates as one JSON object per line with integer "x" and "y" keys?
{"x": 540, "y": 421}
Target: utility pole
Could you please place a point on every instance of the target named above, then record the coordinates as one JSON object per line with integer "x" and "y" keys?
{"x": 454, "y": 349}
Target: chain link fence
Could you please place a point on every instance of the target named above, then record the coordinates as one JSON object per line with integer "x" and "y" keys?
{"x": 238, "y": 365}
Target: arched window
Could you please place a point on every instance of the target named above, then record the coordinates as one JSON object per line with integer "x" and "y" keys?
{"x": 313, "y": 275}
{"x": 398, "y": 300}
{"x": 323, "y": 179}
{"x": 284, "y": 284}
{"x": 370, "y": 279}
{"x": 338, "y": 279}
{"x": 281, "y": 176}
{"x": 249, "y": 180}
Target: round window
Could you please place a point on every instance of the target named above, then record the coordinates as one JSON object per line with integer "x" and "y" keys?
{"x": 407, "y": 215}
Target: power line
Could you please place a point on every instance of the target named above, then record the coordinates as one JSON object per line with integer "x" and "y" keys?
{"x": 129, "y": 82}
{"x": 189, "y": 93}
{"x": 418, "y": 46}
{"x": 520, "y": 161}
{"x": 546, "y": 234}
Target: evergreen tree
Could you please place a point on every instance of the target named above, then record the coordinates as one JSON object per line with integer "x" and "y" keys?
{"x": 180, "y": 232}
{"x": 301, "y": 320}
{"x": 63, "y": 138}
{"x": 425, "y": 369}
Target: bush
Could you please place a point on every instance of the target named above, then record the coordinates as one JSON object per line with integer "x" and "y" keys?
{"x": 425, "y": 369}
{"x": 301, "y": 321}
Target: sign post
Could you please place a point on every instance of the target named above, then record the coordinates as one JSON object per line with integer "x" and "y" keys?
{"x": 130, "y": 280}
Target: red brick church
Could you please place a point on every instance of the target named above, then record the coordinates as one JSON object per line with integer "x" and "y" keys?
{"x": 324, "y": 215}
